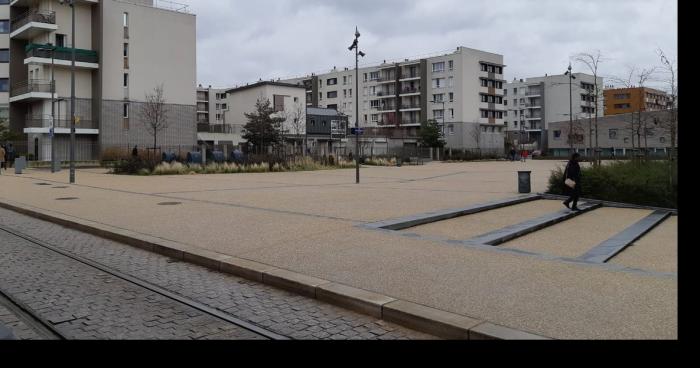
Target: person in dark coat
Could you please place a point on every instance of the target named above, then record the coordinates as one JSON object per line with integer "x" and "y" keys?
{"x": 135, "y": 152}
{"x": 573, "y": 172}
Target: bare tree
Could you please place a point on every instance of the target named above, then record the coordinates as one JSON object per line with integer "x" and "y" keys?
{"x": 592, "y": 61}
{"x": 637, "y": 78}
{"x": 476, "y": 135}
{"x": 297, "y": 121}
{"x": 154, "y": 113}
{"x": 669, "y": 123}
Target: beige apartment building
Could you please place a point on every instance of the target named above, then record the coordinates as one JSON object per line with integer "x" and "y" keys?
{"x": 462, "y": 91}
{"x": 124, "y": 49}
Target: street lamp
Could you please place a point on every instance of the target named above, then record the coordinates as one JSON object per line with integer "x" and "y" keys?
{"x": 522, "y": 131}
{"x": 71, "y": 3}
{"x": 571, "y": 107}
{"x": 358, "y": 53}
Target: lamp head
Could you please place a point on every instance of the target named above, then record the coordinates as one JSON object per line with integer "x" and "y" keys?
{"x": 354, "y": 44}
{"x": 357, "y": 33}
{"x": 362, "y": 54}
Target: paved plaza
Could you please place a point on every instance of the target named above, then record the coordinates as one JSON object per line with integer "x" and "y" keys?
{"x": 312, "y": 223}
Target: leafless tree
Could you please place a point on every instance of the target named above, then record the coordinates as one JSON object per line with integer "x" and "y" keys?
{"x": 669, "y": 123}
{"x": 296, "y": 116}
{"x": 154, "y": 113}
{"x": 475, "y": 133}
{"x": 592, "y": 60}
{"x": 637, "y": 78}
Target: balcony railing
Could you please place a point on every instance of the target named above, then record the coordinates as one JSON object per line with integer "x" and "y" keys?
{"x": 410, "y": 75}
{"x": 385, "y": 93}
{"x": 33, "y": 15}
{"x": 215, "y": 128}
{"x": 385, "y": 78}
{"x": 32, "y": 85}
{"x": 61, "y": 53}
{"x": 410, "y": 90}
{"x": 45, "y": 122}
{"x": 410, "y": 106}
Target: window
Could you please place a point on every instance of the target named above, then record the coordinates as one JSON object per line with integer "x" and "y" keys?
{"x": 499, "y": 84}
{"x": 313, "y": 122}
{"x": 450, "y": 129}
{"x": 296, "y": 99}
{"x": 332, "y": 81}
{"x": 4, "y": 84}
{"x": 505, "y": 92}
{"x": 218, "y": 106}
{"x": 365, "y": 118}
{"x": 4, "y": 55}
{"x": 622, "y": 106}
{"x": 484, "y": 67}
{"x": 125, "y": 114}
{"x": 451, "y": 64}
{"x": 438, "y": 97}
{"x": 662, "y": 139}
{"x": 218, "y": 117}
{"x": 452, "y": 113}
{"x": 452, "y": 96}
{"x": 438, "y": 82}
{"x": 345, "y": 80}
{"x": 126, "y": 49}
{"x": 279, "y": 102}
{"x": 223, "y": 107}
{"x": 451, "y": 82}
{"x": 484, "y": 98}
{"x": 332, "y": 94}
{"x": 375, "y": 118}
{"x": 345, "y": 93}
{"x": 505, "y": 113}
{"x": 61, "y": 40}
{"x": 374, "y": 103}
{"x": 439, "y": 67}
{"x": 126, "y": 19}
{"x": 557, "y": 134}
{"x": 505, "y": 102}
{"x": 373, "y": 75}
{"x": 438, "y": 114}
{"x": 320, "y": 96}
{"x": 626, "y": 140}
{"x": 365, "y": 77}
{"x": 350, "y": 92}
{"x": 126, "y": 80}
{"x": 612, "y": 133}
{"x": 484, "y": 113}
{"x": 4, "y": 26}
{"x": 484, "y": 82}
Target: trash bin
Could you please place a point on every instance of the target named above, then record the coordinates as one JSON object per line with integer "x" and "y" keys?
{"x": 217, "y": 156}
{"x": 169, "y": 157}
{"x": 194, "y": 157}
{"x": 20, "y": 164}
{"x": 524, "y": 182}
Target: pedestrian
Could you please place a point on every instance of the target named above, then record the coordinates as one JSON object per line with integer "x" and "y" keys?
{"x": 512, "y": 154}
{"x": 572, "y": 180}
{"x": 523, "y": 155}
{"x": 135, "y": 151}
{"x": 613, "y": 152}
{"x": 10, "y": 153}
{"x": 2, "y": 158}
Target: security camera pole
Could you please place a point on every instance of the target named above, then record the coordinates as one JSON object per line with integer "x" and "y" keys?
{"x": 358, "y": 53}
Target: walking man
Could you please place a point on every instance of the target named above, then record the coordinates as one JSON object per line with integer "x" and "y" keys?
{"x": 572, "y": 176}
{"x": 2, "y": 158}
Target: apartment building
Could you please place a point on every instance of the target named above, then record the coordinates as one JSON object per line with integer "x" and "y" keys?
{"x": 212, "y": 111}
{"x": 124, "y": 50}
{"x": 462, "y": 91}
{"x": 532, "y": 103}
{"x": 626, "y": 100}
{"x": 4, "y": 61}
{"x": 616, "y": 134}
{"x": 287, "y": 100}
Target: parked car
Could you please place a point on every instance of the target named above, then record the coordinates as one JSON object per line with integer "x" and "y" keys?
{"x": 537, "y": 153}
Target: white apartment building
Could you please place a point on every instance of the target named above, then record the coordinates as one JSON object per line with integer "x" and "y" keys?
{"x": 4, "y": 61}
{"x": 462, "y": 91}
{"x": 124, "y": 49}
{"x": 531, "y": 104}
{"x": 227, "y": 109}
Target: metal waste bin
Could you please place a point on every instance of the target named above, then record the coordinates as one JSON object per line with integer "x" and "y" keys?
{"x": 194, "y": 157}
{"x": 169, "y": 157}
{"x": 217, "y": 156}
{"x": 524, "y": 182}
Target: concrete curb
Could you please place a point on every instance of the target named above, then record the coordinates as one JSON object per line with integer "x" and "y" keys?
{"x": 419, "y": 317}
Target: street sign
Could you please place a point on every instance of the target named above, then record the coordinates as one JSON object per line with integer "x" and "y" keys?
{"x": 358, "y": 131}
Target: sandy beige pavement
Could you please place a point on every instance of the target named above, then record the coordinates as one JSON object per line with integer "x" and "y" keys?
{"x": 306, "y": 222}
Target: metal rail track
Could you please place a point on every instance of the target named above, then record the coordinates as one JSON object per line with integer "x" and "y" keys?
{"x": 41, "y": 326}
{"x": 133, "y": 280}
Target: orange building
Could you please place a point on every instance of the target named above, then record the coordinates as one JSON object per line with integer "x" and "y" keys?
{"x": 627, "y": 100}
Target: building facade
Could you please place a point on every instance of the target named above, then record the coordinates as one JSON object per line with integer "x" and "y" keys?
{"x": 462, "y": 91}
{"x": 5, "y": 62}
{"x": 627, "y": 100}
{"x": 621, "y": 133}
{"x": 288, "y": 100}
{"x": 326, "y": 131}
{"x": 212, "y": 111}
{"x": 124, "y": 50}
{"x": 533, "y": 103}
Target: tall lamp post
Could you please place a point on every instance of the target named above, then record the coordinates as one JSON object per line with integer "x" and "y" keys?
{"x": 71, "y": 3}
{"x": 522, "y": 132}
{"x": 571, "y": 108}
{"x": 358, "y": 53}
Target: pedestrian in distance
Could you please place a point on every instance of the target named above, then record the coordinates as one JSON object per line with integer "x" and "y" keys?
{"x": 10, "y": 156}
{"x": 572, "y": 181}
{"x": 512, "y": 154}
{"x": 523, "y": 155}
{"x": 2, "y": 158}
{"x": 135, "y": 152}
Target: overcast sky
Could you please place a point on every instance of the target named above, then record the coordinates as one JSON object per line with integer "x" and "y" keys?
{"x": 240, "y": 41}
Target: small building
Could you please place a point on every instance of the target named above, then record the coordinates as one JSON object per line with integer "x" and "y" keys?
{"x": 627, "y": 100}
{"x": 326, "y": 130}
{"x": 622, "y": 134}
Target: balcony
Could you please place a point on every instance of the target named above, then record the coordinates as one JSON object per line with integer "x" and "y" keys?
{"x": 41, "y": 54}
{"x": 409, "y": 76}
{"x": 533, "y": 94}
{"x": 385, "y": 94}
{"x": 32, "y": 24}
{"x": 409, "y": 90}
{"x": 31, "y": 90}
{"x": 410, "y": 107}
{"x": 216, "y": 128}
{"x": 42, "y": 125}
{"x": 389, "y": 79}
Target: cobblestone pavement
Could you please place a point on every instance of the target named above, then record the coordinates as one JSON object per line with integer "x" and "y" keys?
{"x": 20, "y": 329}
{"x": 276, "y": 310}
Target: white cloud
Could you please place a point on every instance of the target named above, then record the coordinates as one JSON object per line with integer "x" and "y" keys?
{"x": 241, "y": 41}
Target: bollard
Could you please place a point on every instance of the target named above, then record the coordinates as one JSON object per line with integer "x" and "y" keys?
{"x": 524, "y": 182}
{"x": 20, "y": 164}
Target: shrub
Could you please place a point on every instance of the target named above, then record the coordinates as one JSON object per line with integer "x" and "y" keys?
{"x": 641, "y": 183}
{"x": 133, "y": 166}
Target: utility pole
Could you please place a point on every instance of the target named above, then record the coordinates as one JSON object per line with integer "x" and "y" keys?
{"x": 358, "y": 53}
